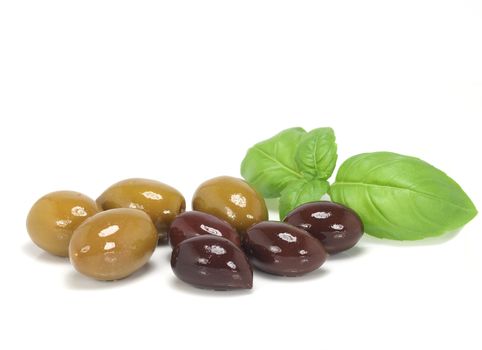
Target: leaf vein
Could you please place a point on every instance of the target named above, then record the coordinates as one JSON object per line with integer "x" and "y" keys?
{"x": 426, "y": 195}
{"x": 284, "y": 166}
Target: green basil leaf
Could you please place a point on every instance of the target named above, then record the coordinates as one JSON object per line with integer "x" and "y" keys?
{"x": 270, "y": 165}
{"x": 300, "y": 192}
{"x": 316, "y": 155}
{"x": 401, "y": 197}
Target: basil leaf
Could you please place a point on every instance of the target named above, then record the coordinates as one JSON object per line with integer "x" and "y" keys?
{"x": 316, "y": 155}
{"x": 270, "y": 165}
{"x": 401, "y": 197}
{"x": 300, "y": 192}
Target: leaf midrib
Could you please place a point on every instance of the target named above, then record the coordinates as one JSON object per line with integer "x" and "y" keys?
{"x": 278, "y": 162}
{"x": 403, "y": 189}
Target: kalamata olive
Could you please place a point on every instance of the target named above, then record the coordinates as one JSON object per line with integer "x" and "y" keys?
{"x": 160, "y": 201}
{"x": 113, "y": 244}
{"x": 212, "y": 262}
{"x": 282, "y": 249}
{"x": 232, "y": 200}
{"x": 194, "y": 223}
{"x": 54, "y": 217}
{"x": 337, "y": 227}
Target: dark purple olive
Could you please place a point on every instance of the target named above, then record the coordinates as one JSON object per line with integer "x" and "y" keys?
{"x": 337, "y": 227}
{"x": 212, "y": 262}
{"x": 282, "y": 249}
{"x": 195, "y": 223}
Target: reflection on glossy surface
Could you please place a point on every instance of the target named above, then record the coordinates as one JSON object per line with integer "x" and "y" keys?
{"x": 288, "y": 237}
{"x": 109, "y": 230}
{"x": 215, "y": 249}
{"x": 108, "y": 245}
{"x": 160, "y": 201}
{"x": 194, "y": 223}
{"x": 239, "y": 200}
{"x": 231, "y": 199}
{"x": 55, "y": 216}
{"x": 152, "y": 195}
{"x": 282, "y": 249}
{"x": 63, "y": 223}
{"x": 113, "y": 244}
{"x": 321, "y": 215}
{"x": 337, "y": 227}
{"x": 211, "y": 262}
{"x": 78, "y": 211}
{"x": 210, "y": 230}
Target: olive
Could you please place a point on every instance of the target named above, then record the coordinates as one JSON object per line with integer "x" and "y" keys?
{"x": 212, "y": 262}
{"x": 231, "y": 199}
{"x": 282, "y": 249}
{"x": 54, "y": 217}
{"x": 194, "y": 223}
{"x": 337, "y": 227}
{"x": 113, "y": 244}
{"x": 160, "y": 201}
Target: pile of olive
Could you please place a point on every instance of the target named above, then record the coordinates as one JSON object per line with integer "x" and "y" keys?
{"x": 112, "y": 237}
{"x": 214, "y": 246}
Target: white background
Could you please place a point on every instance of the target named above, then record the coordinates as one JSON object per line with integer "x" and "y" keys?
{"x": 92, "y": 92}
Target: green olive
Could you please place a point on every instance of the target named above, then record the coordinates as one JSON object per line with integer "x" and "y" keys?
{"x": 160, "y": 201}
{"x": 113, "y": 244}
{"x": 232, "y": 200}
{"x": 54, "y": 217}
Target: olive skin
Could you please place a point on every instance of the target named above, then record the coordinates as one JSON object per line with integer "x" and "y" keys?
{"x": 54, "y": 217}
{"x": 211, "y": 262}
{"x": 282, "y": 249}
{"x": 337, "y": 227}
{"x": 194, "y": 223}
{"x": 113, "y": 244}
{"x": 160, "y": 201}
{"x": 232, "y": 200}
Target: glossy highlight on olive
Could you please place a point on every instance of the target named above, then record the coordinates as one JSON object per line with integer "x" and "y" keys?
{"x": 211, "y": 262}
{"x": 282, "y": 249}
{"x": 231, "y": 199}
{"x": 113, "y": 244}
{"x": 54, "y": 217}
{"x": 160, "y": 201}
{"x": 195, "y": 223}
{"x": 337, "y": 227}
